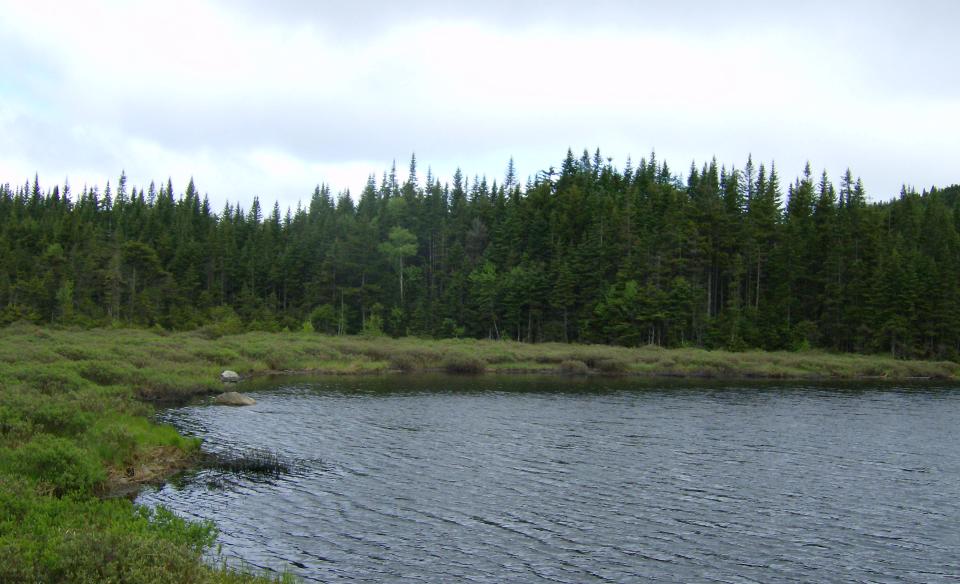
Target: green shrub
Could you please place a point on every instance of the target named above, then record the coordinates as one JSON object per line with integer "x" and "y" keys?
{"x": 115, "y": 444}
{"x": 324, "y": 319}
{"x": 404, "y": 362}
{"x": 373, "y": 326}
{"x": 74, "y": 353}
{"x": 59, "y": 418}
{"x": 45, "y": 539}
{"x": 217, "y": 356}
{"x": 574, "y": 367}
{"x": 611, "y": 366}
{"x": 13, "y": 425}
{"x": 58, "y": 464}
{"x": 280, "y": 360}
{"x": 224, "y": 321}
{"x": 450, "y": 330}
{"x": 101, "y": 373}
{"x": 464, "y": 365}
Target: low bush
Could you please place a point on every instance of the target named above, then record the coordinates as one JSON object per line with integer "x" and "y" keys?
{"x": 464, "y": 365}
{"x": 88, "y": 540}
{"x": 49, "y": 380}
{"x": 58, "y": 417}
{"x": 57, "y": 464}
{"x": 115, "y": 444}
{"x": 611, "y": 366}
{"x": 14, "y": 428}
{"x": 101, "y": 373}
{"x": 404, "y": 362}
{"x": 574, "y": 367}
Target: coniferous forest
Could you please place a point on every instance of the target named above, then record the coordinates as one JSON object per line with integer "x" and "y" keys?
{"x": 714, "y": 257}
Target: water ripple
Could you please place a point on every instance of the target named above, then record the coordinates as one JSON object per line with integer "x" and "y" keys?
{"x": 428, "y": 479}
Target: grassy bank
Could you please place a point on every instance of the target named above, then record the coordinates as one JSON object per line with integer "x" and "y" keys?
{"x": 72, "y": 433}
{"x": 159, "y": 366}
{"x": 74, "y": 425}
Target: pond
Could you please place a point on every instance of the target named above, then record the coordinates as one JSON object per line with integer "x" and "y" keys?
{"x": 433, "y": 478}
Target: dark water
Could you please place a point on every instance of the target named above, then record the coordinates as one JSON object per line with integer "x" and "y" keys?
{"x": 440, "y": 479}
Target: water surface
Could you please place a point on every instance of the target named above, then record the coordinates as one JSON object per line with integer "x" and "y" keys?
{"x": 493, "y": 479}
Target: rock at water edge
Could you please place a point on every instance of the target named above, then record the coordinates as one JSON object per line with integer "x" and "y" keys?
{"x": 232, "y": 398}
{"x": 229, "y": 376}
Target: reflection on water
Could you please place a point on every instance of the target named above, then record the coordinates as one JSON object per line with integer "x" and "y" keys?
{"x": 438, "y": 479}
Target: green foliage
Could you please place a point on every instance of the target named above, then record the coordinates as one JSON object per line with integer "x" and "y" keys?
{"x": 574, "y": 367}
{"x": 612, "y": 366}
{"x": 68, "y": 427}
{"x": 324, "y": 319}
{"x": 58, "y": 465}
{"x": 46, "y": 539}
{"x": 404, "y": 362}
{"x": 463, "y": 364}
{"x": 69, "y": 424}
{"x": 224, "y": 320}
{"x": 728, "y": 258}
{"x": 400, "y": 244}
{"x": 373, "y": 326}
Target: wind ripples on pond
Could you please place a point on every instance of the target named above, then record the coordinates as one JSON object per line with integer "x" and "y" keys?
{"x": 489, "y": 480}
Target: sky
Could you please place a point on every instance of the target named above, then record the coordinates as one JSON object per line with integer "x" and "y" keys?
{"x": 272, "y": 98}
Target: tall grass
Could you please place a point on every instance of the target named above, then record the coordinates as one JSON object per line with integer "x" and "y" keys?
{"x": 71, "y": 430}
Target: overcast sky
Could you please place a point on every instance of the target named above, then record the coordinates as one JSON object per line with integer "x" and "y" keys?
{"x": 271, "y": 98}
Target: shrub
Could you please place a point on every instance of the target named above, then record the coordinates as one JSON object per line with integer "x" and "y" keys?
{"x": 324, "y": 319}
{"x": 58, "y": 464}
{"x": 217, "y": 356}
{"x": 280, "y": 360}
{"x": 59, "y": 418}
{"x": 88, "y": 540}
{"x": 13, "y": 426}
{"x": 100, "y": 373}
{"x": 464, "y": 365}
{"x": 449, "y": 329}
{"x": 373, "y": 326}
{"x": 404, "y": 362}
{"x": 224, "y": 321}
{"x": 611, "y": 366}
{"x": 115, "y": 444}
{"x": 74, "y": 353}
{"x": 574, "y": 367}
{"x": 50, "y": 380}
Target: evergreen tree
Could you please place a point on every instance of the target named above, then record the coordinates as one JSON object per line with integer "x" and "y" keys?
{"x": 588, "y": 253}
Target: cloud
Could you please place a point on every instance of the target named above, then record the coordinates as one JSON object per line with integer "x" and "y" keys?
{"x": 251, "y": 98}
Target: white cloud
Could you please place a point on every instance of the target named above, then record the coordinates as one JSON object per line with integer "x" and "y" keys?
{"x": 271, "y": 102}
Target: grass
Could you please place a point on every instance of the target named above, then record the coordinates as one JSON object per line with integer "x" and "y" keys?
{"x": 72, "y": 432}
{"x": 255, "y": 461}
{"x": 75, "y": 425}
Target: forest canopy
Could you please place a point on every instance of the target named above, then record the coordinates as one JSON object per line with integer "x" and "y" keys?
{"x": 715, "y": 257}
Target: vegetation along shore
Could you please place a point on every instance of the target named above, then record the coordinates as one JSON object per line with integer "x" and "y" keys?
{"x": 75, "y": 426}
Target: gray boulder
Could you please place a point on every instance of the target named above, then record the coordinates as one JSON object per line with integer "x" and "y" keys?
{"x": 232, "y": 398}
{"x": 229, "y": 376}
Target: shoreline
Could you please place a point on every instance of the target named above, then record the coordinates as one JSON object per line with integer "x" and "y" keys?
{"x": 160, "y": 470}
{"x": 82, "y": 402}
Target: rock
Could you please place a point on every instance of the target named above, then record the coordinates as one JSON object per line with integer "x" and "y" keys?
{"x": 232, "y": 398}
{"x": 229, "y": 376}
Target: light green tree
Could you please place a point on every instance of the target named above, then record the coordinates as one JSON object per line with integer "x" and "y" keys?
{"x": 401, "y": 243}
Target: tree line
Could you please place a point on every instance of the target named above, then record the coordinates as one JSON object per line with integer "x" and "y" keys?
{"x": 715, "y": 257}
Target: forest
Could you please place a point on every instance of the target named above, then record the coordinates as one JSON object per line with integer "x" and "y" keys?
{"x": 716, "y": 257}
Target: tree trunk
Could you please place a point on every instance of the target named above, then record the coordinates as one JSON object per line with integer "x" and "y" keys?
{"x": 133, "y": 290}
{"x": 758, "y": 282}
